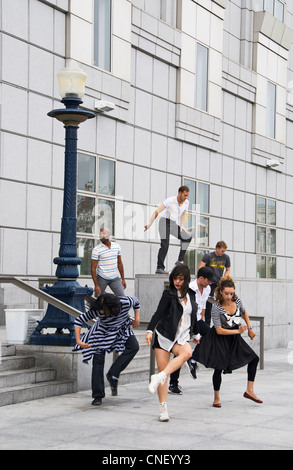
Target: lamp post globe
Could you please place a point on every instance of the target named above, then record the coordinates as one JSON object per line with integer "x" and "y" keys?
{"x": 66, "y": 288}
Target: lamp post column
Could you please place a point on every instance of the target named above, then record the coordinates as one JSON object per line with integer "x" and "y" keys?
{"x": 66, "y": 288}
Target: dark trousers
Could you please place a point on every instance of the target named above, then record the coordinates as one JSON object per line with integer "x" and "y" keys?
{"x": 168, "y": 227}
{"x": 251, "y": 372}
{"x": 203, "y": 329}
{"x": 122, "y": 361}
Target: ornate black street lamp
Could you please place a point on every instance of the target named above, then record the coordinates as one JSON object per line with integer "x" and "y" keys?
{"x": 66, "y": 288}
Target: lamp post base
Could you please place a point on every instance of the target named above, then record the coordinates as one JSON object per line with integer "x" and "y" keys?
{"x": 71, "y": 293}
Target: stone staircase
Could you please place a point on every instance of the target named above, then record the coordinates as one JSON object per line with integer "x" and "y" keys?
{"x": 139, "y": 368}
{"x": 21, "y": 380}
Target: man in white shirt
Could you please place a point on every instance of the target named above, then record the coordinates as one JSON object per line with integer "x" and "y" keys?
{"x": 172, "y": 223}
{"x": 106, "y": 264}
{"x": 202, "y": 289}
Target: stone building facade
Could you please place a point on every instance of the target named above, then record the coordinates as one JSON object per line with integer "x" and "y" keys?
{"x": 201, "y": 92}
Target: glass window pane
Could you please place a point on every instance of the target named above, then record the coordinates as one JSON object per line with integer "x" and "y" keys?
{"x": 106, "y": 213}
{"x": 190, "y": 226}
{"x": 261, "y": 266}
{"x": 260, "y": 239}
{"x": 189, "y": 259}
{"x": 102, "y": 34}
{"x": 86, "y": 179}
{"x": 203, "y": 197}
{"x": 84, "y": 251}
{"x": 203, "y": 231}
{"x": 271, "y": 212}
{"x": 271, "y": 268}
{"x": 261, "y": 210}
{"x": 199, "y": 256}
{"x": 85, "y": 214}
{"x": 168, "y": 11}
{"x": 271, "y": 240}
{"x": 106, "y": 177}
{"x": 192, "y": 193}
{"x": 271, "y": 110}
{"x": 279, "y": 10}
{"x": 201, "y": 77}
{"x": 269, "y": 4}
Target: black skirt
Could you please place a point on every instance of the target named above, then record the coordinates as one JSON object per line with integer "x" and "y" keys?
{"x": 223, "y": 352}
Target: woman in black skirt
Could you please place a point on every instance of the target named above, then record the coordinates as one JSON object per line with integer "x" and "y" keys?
{"x": 223, "y": 349}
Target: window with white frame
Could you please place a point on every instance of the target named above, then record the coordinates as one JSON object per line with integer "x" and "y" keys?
{"x": 95, "y": 203}
{"x": 271, "y": 110}
{"x": 168, "y": 11}
{"x": 197, "y": 222}
{"x": 102, "y": 34}
{"x": 201, "y": 92}
{"x": 275, "y": 7}
{"x": 266, "y": 237}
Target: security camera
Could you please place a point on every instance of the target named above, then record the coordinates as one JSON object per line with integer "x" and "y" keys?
{"x": 104, "y": 106}
{"x": 273, "y": 163}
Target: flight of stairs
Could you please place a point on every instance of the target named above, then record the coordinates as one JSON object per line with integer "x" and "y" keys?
{"x": 21, "y": 381}
{"x": 139, "y": 368}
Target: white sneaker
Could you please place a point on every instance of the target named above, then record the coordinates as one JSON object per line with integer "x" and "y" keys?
{"x": 156, "y": 380}
{"x": 163, "y": 412}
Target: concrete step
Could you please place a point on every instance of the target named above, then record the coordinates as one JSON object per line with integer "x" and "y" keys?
{"x": 140, "y": 361}
{"x": 28, "y": 392}
{"x": 26, "y": 376}
{"x": 134, "y": 375}
{"x": 7, "y": 350}
{"x": 17, "y": 362}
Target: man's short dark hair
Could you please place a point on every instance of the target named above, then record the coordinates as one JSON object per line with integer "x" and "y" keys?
{"x": 183, "y": 188}
{"x": 206, "y": 273}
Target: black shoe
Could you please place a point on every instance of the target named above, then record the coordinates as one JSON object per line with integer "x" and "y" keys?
{"x": 97, "y": 401}
{"x": 113, "y": 384}
{"x": 176, "y": 389}
{"x": 192, "y": 366}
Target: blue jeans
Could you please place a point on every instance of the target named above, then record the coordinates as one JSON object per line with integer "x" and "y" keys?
{"x": 122, "y": 361}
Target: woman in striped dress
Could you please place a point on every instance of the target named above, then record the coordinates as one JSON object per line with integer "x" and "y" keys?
{"x": 223, "y": 348}
{"x": 112, "y": 331}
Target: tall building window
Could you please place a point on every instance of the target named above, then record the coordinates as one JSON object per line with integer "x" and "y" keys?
{"x": 266, "y": 237}
{"x": 95, "y": 203}
{"x": 201, "y": 93}
{"x": 275, "y": 7}
{"x": 168, "y": 11}
{"x": 102, "y": 34}
{"x": 271, "y": 110}
{"x": 197, "y": 222}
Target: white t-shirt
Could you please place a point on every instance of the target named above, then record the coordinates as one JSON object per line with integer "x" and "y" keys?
{"x": 201, "y": 299}
{"x": 173, "y": 211}
{"x": 183, "y": 329}
{"x": 107, "y": 259}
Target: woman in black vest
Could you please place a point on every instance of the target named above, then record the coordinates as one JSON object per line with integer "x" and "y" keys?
{"x": 174, "y": 319}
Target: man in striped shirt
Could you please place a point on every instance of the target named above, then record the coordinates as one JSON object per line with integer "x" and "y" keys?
{"x": 106, "y": 264}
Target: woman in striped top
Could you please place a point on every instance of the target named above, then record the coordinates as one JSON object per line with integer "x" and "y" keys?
{"x": 112, "y": 331}
{"x": 223, "y": 349}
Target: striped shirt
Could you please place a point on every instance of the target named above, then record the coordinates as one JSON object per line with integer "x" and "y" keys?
{"x": 221, "y": 318}
{"x": 107, "y": 259}
{"x": 108, "y": 333}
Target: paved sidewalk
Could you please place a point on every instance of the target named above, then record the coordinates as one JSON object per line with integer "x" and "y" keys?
{"x": 129, "y": 421}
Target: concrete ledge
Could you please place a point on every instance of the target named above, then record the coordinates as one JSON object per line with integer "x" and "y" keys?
{"x": 68, "y": 364}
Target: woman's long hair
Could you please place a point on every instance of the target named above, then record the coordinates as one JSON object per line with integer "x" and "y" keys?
{"x": 225, "y": 282}
{"x": 180, "y": 270}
